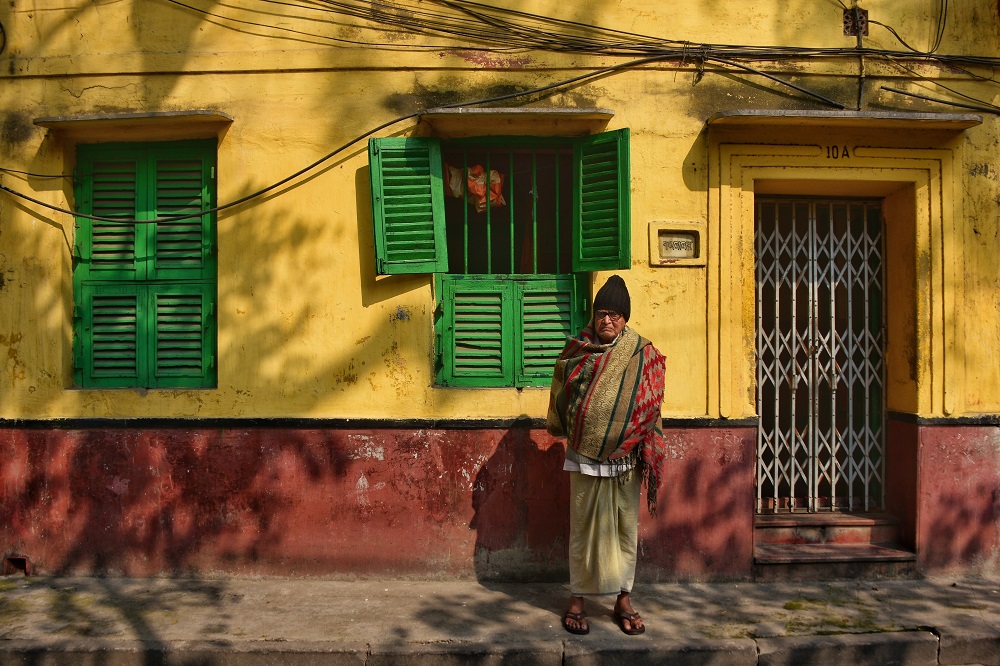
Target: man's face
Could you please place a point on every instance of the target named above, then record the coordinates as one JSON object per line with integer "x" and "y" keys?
{"x": 608, "y": 324}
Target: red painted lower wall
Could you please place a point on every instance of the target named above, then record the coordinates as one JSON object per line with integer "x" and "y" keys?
{"x": 486, "y": 503}
{"x": 958, "y": 509}
{"x": 943, "y": 483}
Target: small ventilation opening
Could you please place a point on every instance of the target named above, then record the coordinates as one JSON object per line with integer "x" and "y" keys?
{"x": 17, "y": 564}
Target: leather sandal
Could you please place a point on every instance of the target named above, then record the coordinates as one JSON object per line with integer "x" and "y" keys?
{"x": 583, "y": 627}
{"x": 632, "y": 630}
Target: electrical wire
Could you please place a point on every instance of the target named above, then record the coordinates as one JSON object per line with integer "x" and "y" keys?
{"x": 504, "y": 30}
{"x": 779, "y": 80}
{"x": 499, "y": 29}
{"x": 985, "y": 109}
{"x": 33, "y": 175}
{"x": 345, "y": 146}
{"x": 920, "y": 77}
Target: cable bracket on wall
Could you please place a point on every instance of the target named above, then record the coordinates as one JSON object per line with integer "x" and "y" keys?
{"x": 855, "y": 22}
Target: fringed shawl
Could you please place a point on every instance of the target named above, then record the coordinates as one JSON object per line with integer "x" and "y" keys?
{"x": 606, "y": 400}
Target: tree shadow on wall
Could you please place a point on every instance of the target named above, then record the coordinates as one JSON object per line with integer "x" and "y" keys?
{"x": 520, "y": 497}
{"x": 144, "y": 501}
{"x": 965, "y": 530}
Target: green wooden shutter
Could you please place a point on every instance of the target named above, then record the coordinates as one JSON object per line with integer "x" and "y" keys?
{"x": 408, "y": 205}
{"x": 111, "y": 330}
{"x": 602, "y": 202}
{"x": 477, "y": 333}
{"x": 182, "y": 335}
{"x": 550, "y": 311}
{"x": 182, "y": 185}
{"x": 109, "y": 188}
{"x": 145, "y": 292}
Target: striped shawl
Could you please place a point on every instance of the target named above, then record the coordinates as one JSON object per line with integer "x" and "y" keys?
{"x": 606, "y": 401}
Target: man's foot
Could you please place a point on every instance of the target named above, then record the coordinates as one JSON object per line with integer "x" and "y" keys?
{"x": 575, "y": 619}
{"x": 576, "y": 623}
{"x": 630, "y": 623}
{"x": 626, "y": 618}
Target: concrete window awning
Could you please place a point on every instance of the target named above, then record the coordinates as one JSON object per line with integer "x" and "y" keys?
{"x": 156, "y": 125}
{"x": 746, "y": 118}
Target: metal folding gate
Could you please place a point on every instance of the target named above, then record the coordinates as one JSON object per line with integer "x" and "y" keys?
{"x": 820, "y": 380}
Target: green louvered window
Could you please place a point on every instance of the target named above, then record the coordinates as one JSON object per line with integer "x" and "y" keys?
{"x": 511, "y": 226}
{"x": 145, "y": 290}
{"x": 505, "y": 331}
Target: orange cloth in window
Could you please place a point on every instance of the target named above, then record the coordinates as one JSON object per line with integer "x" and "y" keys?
{"x": 478, "y": 189}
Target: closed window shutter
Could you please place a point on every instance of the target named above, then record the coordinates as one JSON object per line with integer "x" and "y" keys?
{"x": 110, "y": 188}
{"x": 182, "y": 248}
{"x": 477, "y": 332}
{"x": 145, "y": 291}
{"x": 550, "y": 312}
{"x": 111, "y": 328}
{"x": 182, "y": 335}
{"x": 408, "y": 205}
{"x": 602, "y": 202}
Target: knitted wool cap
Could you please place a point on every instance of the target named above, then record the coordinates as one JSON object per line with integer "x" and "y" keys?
{"x": 614, "y": 296}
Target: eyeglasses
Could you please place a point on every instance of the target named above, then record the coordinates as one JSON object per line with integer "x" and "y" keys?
{"x": 601, "y": 314}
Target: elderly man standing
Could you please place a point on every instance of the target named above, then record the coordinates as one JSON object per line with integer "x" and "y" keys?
{"x": 607, "y": 389}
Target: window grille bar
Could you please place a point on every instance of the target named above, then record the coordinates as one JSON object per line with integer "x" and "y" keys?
{"x": 497, "y": 242}
{"x": 465, "y": 208}
{"x": 489, "y": 218}
{"x": 558, "y": 216}
{"x": 510, "y": 207}
{"x": 534, "y": 211}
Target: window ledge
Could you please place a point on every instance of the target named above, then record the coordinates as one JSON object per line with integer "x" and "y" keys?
{"x": 858, "y": 119}
{"x": 519, "y": 121}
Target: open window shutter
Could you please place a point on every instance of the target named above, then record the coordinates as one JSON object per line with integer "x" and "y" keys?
{"x": 477, "y": 336}
{"x": 408, "y": 205}
{"x": 602, "y": 202}
{"x": 109, "y": 335}
{"x": 109, "y": 188}
{"x": 182, "y": 330}
{"x": 550, "y": 312}
{"x": 182, "y": 184}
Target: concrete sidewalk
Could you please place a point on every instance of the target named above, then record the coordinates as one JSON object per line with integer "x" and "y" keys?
{"x": 112, "y": 621}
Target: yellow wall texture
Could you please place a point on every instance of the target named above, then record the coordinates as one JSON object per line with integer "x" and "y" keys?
{"x": 306, "y": 328}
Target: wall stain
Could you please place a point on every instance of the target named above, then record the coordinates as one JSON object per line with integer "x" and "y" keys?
{"x": 347, "y": 376}
{"x": 17, "y": 370}
{"x": 16, "y": 128}
{"x": 492, "y": 60}
{"x": 451, "y": 91}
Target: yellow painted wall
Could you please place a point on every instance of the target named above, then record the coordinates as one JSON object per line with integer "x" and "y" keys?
{"x": 307, "y": 329}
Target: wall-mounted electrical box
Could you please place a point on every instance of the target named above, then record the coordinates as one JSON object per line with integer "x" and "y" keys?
{"x": 676, "y": 244}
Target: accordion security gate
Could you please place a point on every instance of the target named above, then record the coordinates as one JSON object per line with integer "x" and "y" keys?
{"x": 820, "y": 379}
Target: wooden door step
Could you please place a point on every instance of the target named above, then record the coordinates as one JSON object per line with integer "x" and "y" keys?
{"x": 809, "y": 553}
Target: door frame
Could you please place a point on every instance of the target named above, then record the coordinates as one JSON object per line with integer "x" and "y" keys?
{"x": 920, "y": 210}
